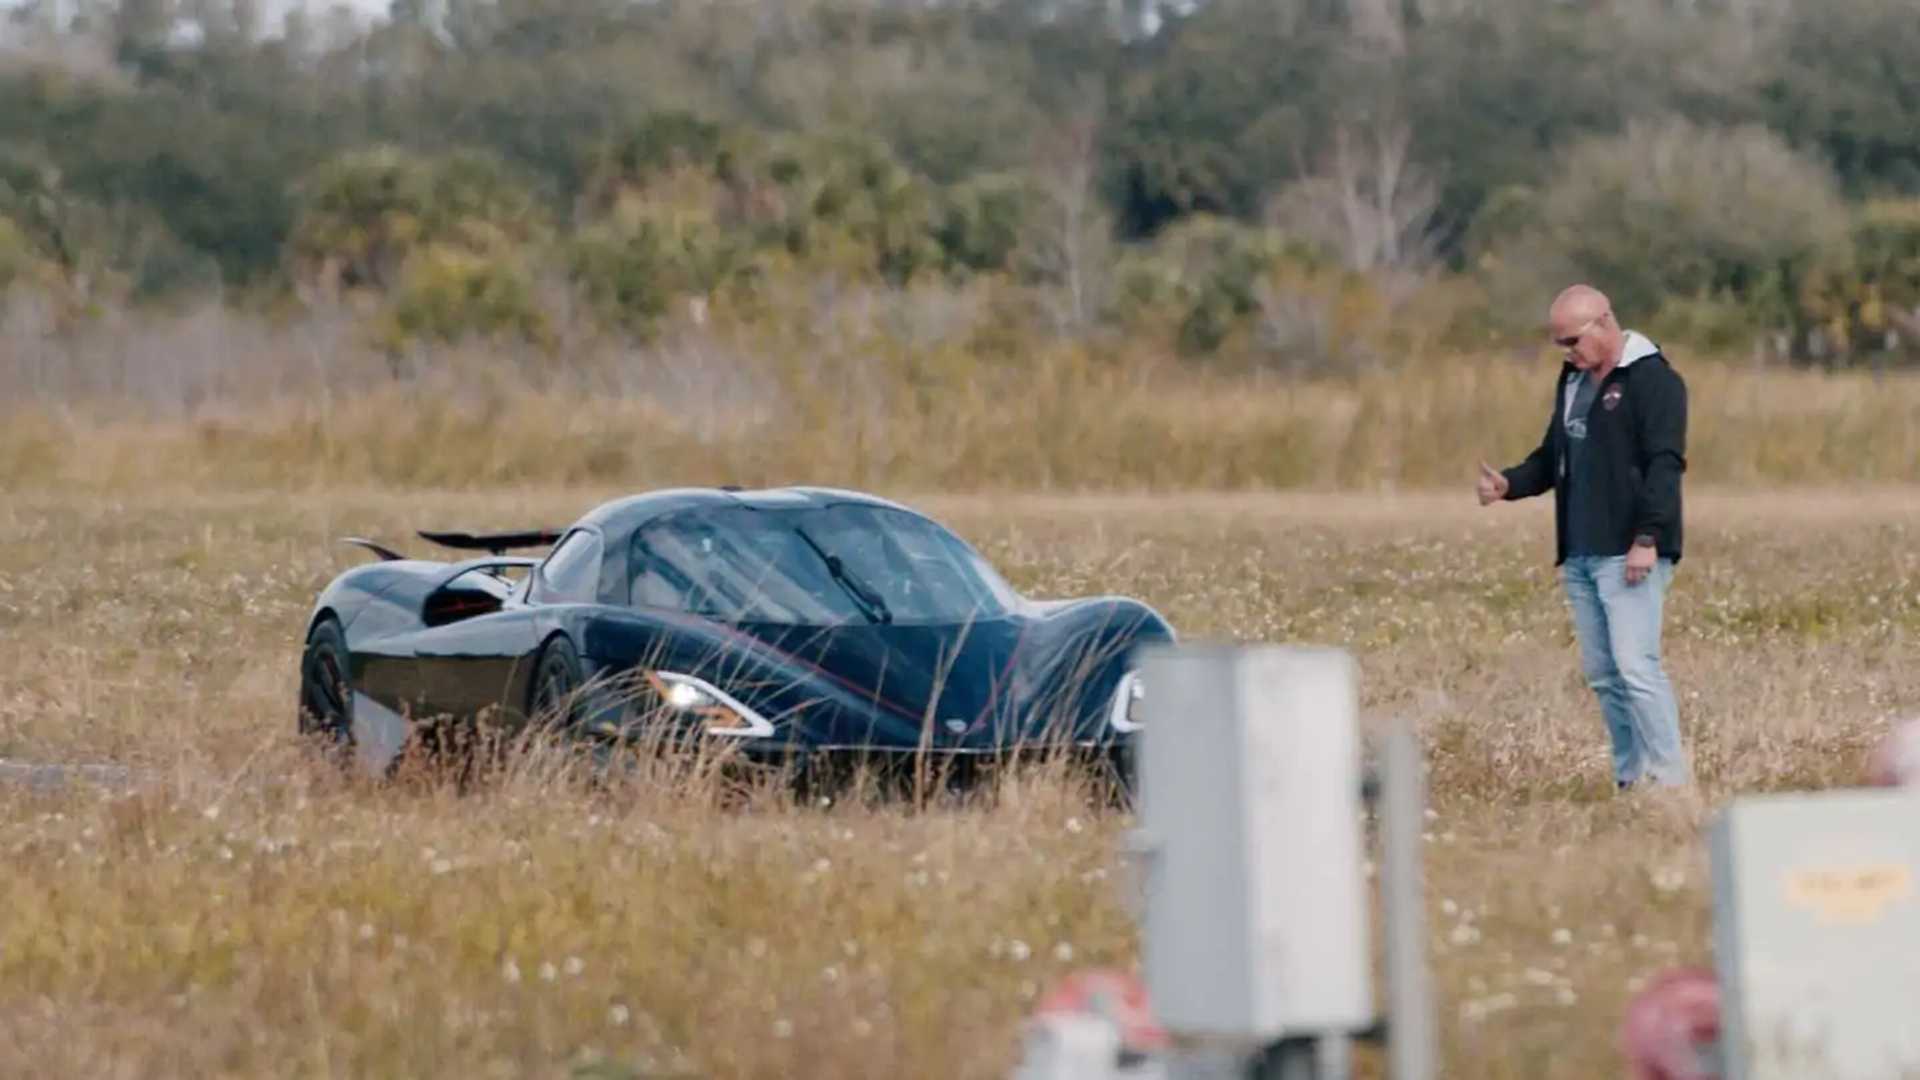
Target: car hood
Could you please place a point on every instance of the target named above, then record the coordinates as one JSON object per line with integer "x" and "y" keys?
{"x": 977, "y": 685}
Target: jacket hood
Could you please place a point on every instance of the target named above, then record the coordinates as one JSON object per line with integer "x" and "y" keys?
{"x": 1637, "y": 346}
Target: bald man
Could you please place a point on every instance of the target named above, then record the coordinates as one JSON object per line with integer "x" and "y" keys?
{"x": 1613, "y": 454}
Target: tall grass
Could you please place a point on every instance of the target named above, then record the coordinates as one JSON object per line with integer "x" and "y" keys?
{"x": 243, "y": 911}
{"x": 902, "y": 393}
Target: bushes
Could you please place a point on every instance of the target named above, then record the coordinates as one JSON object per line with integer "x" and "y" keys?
{"x": 1248, "y": 299}
{"x": 677, "y": 208}
{"x": 880, "y": 142}
{"x": 630, "y": 271}
{"x": 363, "y": 214}
{"x": 981, "y": 222}
{"x": 1867, "y": 298}
{"x": 86, "y": 255}
{"x": 1669, "y": 213}
{"x": 21, "y": 260}
{"x": 440, "y": 244}
{"x": 1723, "y": 239}
{"x": 1718, "y": 237}
{"x": 1721, "y": 235}
{"x": 447, "y": 293}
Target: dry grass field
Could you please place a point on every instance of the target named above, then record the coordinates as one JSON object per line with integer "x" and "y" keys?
{"x": 241, "y": 912}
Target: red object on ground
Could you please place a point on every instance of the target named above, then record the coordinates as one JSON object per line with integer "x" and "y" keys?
{"x": 1672, "y": 1028}
{"x": 1896, "y": 762}
{"x": 1119, "y": 997}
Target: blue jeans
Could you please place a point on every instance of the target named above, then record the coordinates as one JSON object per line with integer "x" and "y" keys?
{"x": 1619, "y": 630}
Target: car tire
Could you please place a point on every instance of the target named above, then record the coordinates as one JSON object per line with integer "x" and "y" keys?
{"x": 326, "y": 696}
{"x": 1123, "y": 775}
{"x": 557, "y": 678}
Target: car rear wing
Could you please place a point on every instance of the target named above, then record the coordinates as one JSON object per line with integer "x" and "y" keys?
{"x": 494, "y": 543}
{"x": 386, "y": 553}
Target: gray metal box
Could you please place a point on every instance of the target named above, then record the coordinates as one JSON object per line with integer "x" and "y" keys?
{"x": 1256, "y": 907}
{"x": 1817, "y": 934}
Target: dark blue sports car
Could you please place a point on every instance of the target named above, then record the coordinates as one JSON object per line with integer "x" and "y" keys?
{"x": 791, "y": 624}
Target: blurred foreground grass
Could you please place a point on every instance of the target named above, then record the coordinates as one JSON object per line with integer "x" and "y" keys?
{"x": 246, "y": 914}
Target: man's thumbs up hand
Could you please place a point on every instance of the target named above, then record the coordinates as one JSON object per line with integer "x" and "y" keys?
{"x": 1492, "y": 486}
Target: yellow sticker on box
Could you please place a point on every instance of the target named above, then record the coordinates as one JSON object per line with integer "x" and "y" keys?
{"x": 1860, "y": 894}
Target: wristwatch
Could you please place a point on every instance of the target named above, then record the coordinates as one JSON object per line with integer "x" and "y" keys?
{"x": 1643, "y": 540}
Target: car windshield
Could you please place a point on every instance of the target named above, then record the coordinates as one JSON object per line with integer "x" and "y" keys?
{"x": 813, "y": 566}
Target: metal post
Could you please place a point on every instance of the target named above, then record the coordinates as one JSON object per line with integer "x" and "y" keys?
{"x": 1288, "y": 1058}
{"x": 1295, "y": 1061}
{"x": 1333, "y": 1056}
{"x": 1410, "y": 1019}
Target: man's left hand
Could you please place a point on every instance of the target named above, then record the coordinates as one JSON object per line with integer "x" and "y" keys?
{"x": 1640, "y": 560}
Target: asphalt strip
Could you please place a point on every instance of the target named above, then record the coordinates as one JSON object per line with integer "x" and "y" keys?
{"x": 47, "y": 777}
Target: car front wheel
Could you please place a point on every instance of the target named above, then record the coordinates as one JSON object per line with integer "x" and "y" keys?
{"x": 557, "y": 678}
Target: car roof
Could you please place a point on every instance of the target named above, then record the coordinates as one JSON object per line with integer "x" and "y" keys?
{"x": 630, "y": 512}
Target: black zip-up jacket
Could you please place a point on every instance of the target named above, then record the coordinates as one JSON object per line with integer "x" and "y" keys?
{"x": 1637, "y": 439}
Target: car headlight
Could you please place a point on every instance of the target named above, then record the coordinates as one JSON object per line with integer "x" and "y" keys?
{"x": 1125, "y": 713}
{"x": 693, "y": 696}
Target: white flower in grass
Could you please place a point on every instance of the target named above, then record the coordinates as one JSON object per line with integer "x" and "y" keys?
{"x": 618, "y": 1015}
{"x": 575, "y": 965}
{"x": 783, "y": 1029}
{"x": 510, "y": 971}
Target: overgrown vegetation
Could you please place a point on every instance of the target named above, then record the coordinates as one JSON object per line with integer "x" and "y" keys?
{"x": 1249, "y": 185}
{"x": 241, "y": 912}
{"x": 915, "y": 389}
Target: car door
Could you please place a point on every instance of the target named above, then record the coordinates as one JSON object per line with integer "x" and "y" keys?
{"x": 468, "y": 665}
{"x": 465, "y": 665}
{"x": 457, "y": 664}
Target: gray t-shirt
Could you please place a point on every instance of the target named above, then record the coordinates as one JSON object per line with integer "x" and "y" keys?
{"x": 1579, "y": 462}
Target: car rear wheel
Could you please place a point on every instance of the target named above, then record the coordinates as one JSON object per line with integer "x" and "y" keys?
{"x": 326, "y": 699}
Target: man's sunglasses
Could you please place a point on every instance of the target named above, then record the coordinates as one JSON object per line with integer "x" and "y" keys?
{"x": 1570, "y": 342}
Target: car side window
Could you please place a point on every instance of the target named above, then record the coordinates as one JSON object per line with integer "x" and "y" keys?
{"x": 571, "y": 574}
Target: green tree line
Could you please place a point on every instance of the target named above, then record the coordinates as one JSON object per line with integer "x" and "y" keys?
{"x": 1253, "y": 177}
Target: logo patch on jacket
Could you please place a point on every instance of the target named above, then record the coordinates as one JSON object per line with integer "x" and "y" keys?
{"x": 1611, "y": 399}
